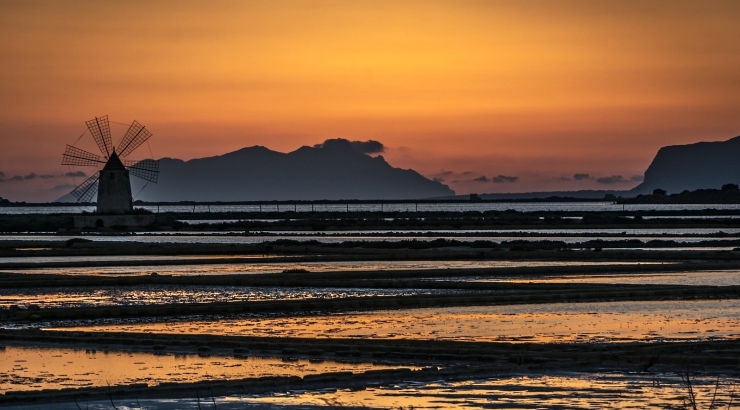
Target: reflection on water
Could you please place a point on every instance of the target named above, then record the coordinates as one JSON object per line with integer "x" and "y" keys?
{"x": 124, "y": 258}
{"x": 554, "y": 322}
{"x": 158, "y": 294}
{"x": 243, "y": 268}
{"x": 521, "y": 391}
{"x": 558, "y": 391}
{"x": 693, "y": 278}
{"x": 685, "y": 235}
{"x": 34, "y": 368}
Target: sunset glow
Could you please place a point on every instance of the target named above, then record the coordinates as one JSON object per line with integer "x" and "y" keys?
{"x": 533, "y": 90}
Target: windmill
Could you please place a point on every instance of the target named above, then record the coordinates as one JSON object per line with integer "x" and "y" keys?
{"x": 112, "y": 183}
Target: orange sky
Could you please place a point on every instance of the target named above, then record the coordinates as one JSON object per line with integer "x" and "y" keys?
{"x": 538, "y": 90}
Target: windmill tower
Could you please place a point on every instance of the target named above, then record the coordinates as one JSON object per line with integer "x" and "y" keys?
{"x": 112, "y": 183}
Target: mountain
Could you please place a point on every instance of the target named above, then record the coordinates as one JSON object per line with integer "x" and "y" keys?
{"x": 694, "y": 166}
{"x": 541, "y": 196}
{"x": 336, "y": 169}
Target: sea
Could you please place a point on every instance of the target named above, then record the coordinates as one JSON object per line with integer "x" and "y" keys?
{"x": 387, "y": 207}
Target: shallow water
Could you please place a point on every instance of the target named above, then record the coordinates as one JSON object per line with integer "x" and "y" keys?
{"x": 256, "y": 268}
{"x": 160, "y": 294}
{"x": 566, "y": 390}
{"x": 691, "y": 278}
{"x": 557, "y": 391}
{"x": 686, "y": 235}
{"x": 36, "y": 368}
{"x": 123, "y": 258}
{"x": 647, "y": 321}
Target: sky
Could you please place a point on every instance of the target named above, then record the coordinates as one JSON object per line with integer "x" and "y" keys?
{"x": 485, "y": 96}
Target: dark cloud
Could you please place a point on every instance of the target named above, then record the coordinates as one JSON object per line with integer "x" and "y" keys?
{"x": 30, "y": 176}
{"x": 368, "y": 147}
{"x": 75, "y": 174}
{"x": 481, "y": 178}
{"x": 503, "y": 178}
{"x": 2, "y": 174}
{"x": 563, "y": 179}
{"x": 637, "y": 178}
{"x": 467, "y": 173}
{"x": 581, "y": 177}
{"x": 47, "y": 176}
{"x": 614, "y": 179}
{"x": 16, "y": 178}
{"x": 440, "y": 177}
{"x": 365, "y": 147}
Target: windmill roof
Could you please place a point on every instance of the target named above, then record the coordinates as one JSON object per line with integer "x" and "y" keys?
{"x": 114, "y": 163}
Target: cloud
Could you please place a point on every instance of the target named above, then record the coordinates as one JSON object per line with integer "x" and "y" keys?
{"x": 614, "y": 179}
{"x": 75, "y": 174}
{"x": 637, "y": 178}
{"x": 364, "y": 147}
{"x": 16, "y": 178}
{"x": 368, "y": 147}
{"x": 503, "y": 178}
{"x": 30, "y": 176}
{"x": 467, "y": 173}
{"x": 440, "y": 177}
{"x": 581, "y": 177}
{"x": 481, "y": 178}
{"x": 47, "y": 176}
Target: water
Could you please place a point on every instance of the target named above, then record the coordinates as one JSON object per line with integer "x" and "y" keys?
{"x": 37, "y": 368}
{"x": 645, "y": 321}
{"x": 520, "y": 391}
{"x": 691, "y": 278}
{"x": 687, "y": 235}
{"x": 258, "y": 268}
{"x": 557, "y": 390}
{"x": 124, "y": 258}
{"x": 64, "y": 297}
{"x": 394, "y": 207}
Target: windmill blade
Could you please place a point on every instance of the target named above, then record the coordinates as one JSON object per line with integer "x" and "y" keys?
{"x": 147, "y": 169}
{"x": 100, "y": 130}
{"x": 80, "y": 157}
{"x": 136, "y": 135}
{"x": 86, "y": 190}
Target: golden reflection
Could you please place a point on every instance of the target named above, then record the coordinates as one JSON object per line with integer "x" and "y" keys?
{"x": 246, "y": 267}
{"x": 556, "y": 322}
{"x": 571, "y": 391}
{"x": 33, "y": 368}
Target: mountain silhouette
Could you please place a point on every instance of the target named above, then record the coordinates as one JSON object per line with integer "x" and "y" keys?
{"x": 336, "y": 169}
{"x": 694, "y": 166}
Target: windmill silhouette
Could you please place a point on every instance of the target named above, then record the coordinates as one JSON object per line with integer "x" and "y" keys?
{"x": 112, "y": 183}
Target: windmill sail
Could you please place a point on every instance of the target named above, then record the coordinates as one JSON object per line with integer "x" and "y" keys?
{"x": 147, "y": 169}
{"x": 80, "y": 157}
{"x": 100, "y": 130}
{"x": 86, "y": 190}
{"x": 136, "y": 135}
